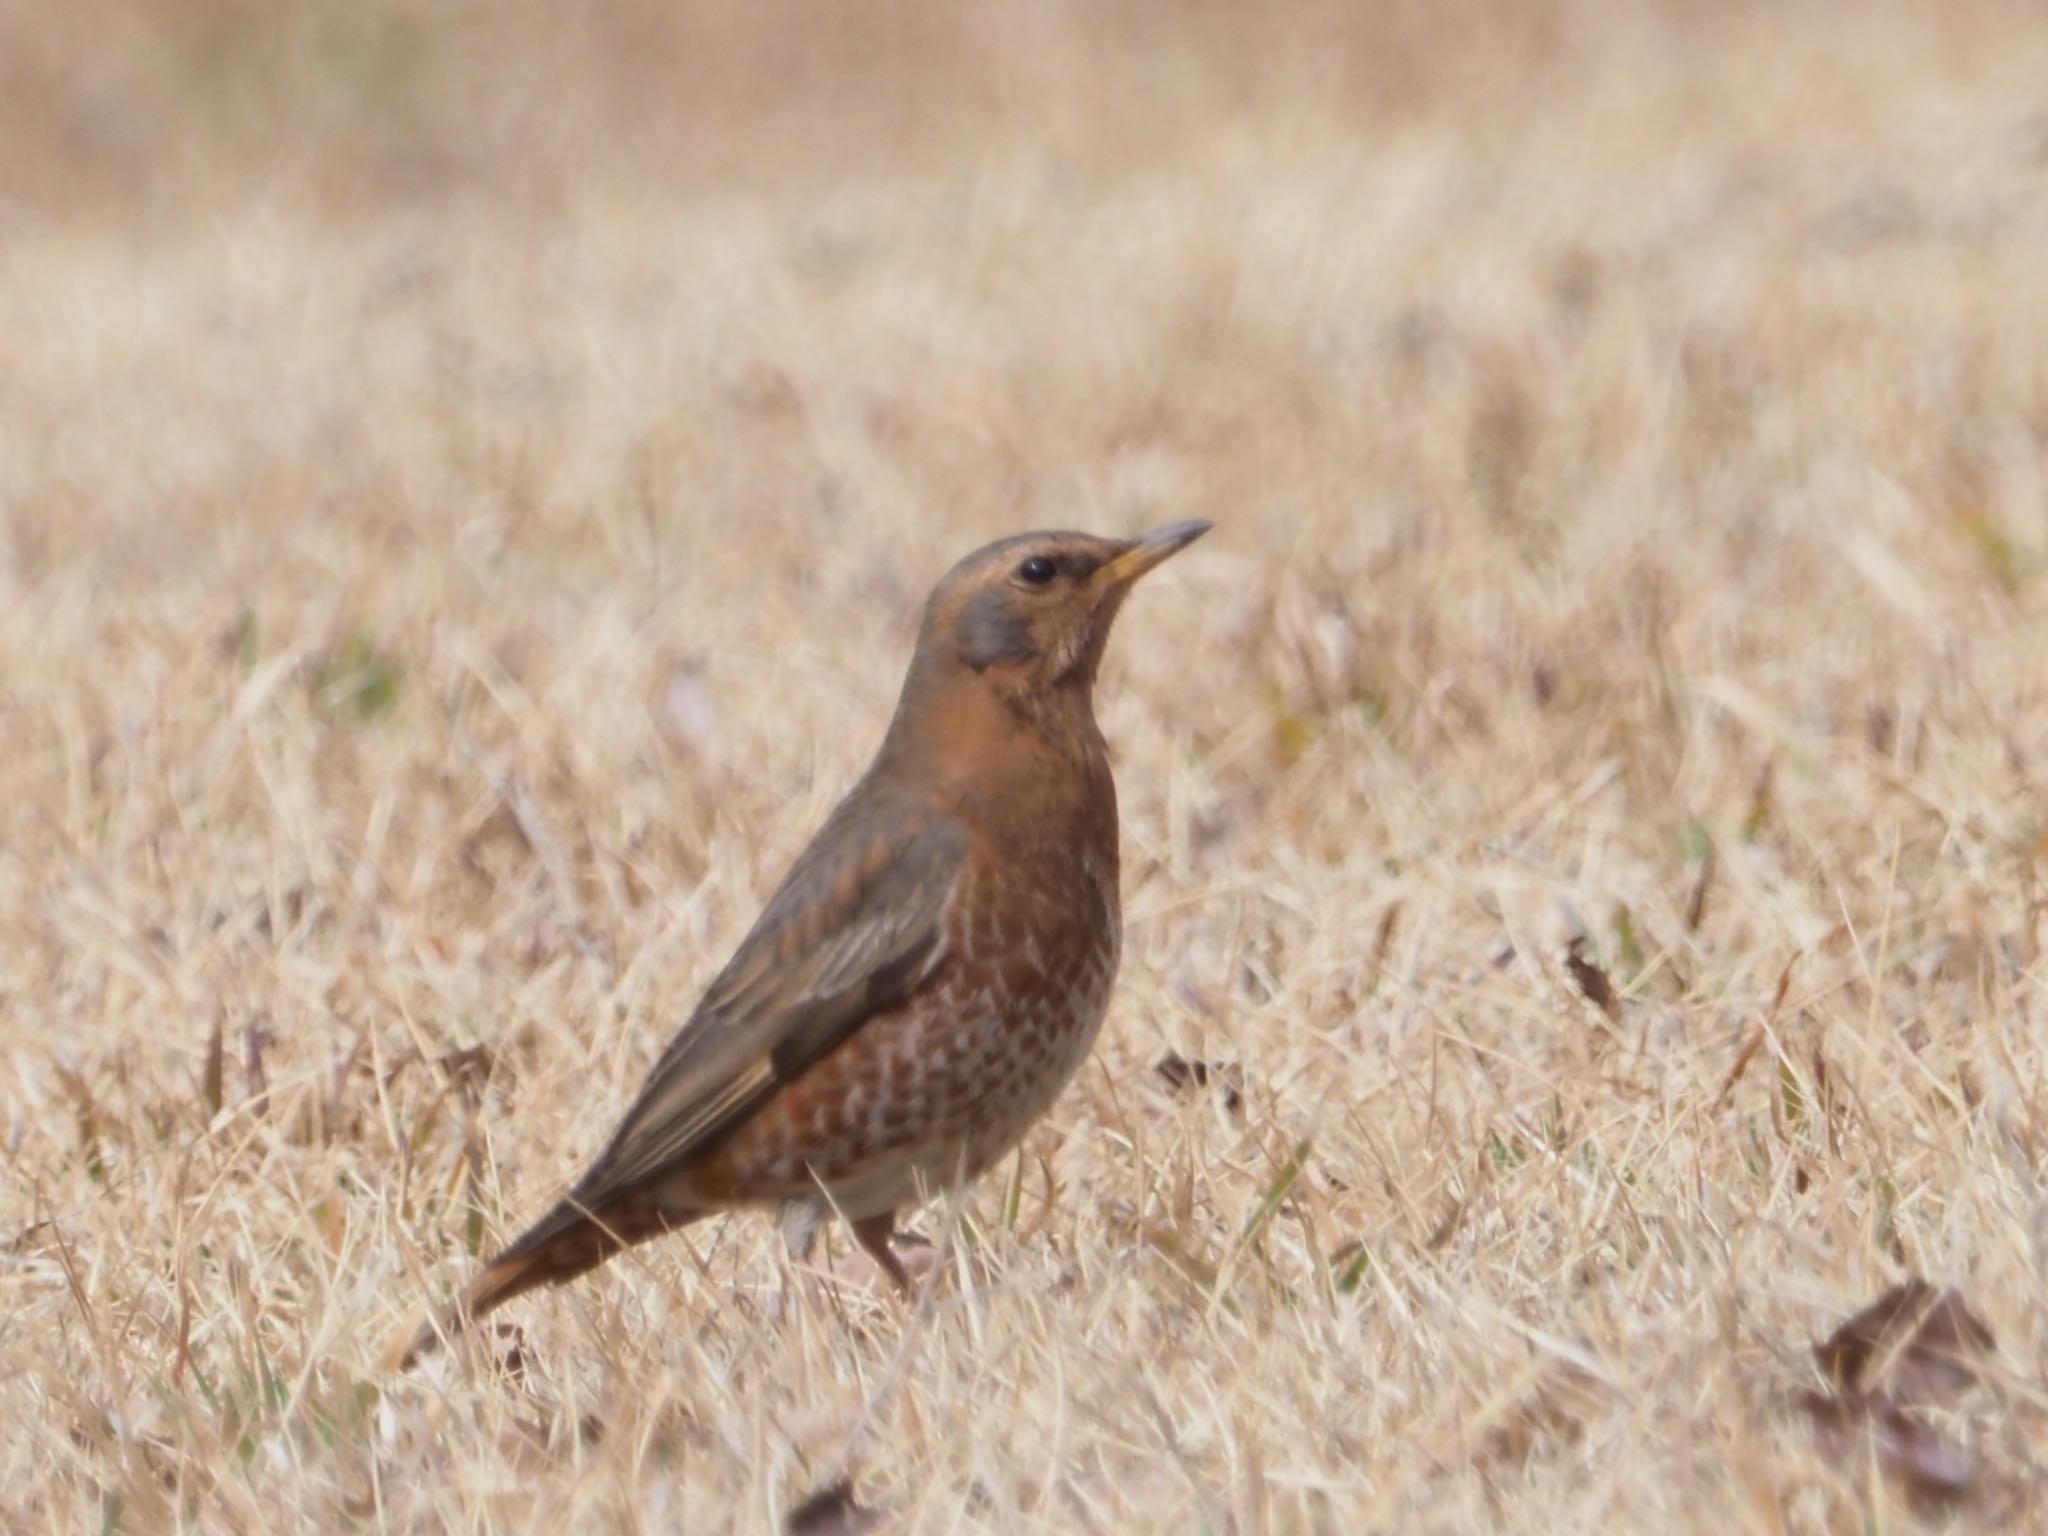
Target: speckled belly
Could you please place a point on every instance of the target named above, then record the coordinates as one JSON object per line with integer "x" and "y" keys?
{"x": 938, "y": 1089}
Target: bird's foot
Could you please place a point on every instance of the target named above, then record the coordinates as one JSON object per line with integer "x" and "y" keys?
{"x": 915, "y": 1256}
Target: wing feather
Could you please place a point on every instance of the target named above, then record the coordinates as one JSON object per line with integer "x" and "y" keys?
{"x": 855, "y": 927}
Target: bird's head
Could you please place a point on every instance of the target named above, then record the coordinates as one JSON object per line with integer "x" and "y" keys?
{"x": 1029, "y": 615}
{"x": 1014, "y": 633}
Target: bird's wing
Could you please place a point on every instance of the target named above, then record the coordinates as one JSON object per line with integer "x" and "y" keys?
{"x": 855, "y": 927}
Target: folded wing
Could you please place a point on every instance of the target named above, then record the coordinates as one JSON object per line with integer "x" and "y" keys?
{"x": 854, "y": 929}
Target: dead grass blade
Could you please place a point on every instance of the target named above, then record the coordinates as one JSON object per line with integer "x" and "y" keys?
{"x": 1755, "y": 1039}
{"x": 1696, "y": 902}
{"x": 212, "y": 1082}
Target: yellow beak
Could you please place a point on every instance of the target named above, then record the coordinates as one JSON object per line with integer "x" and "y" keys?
{"x": 1149, "y": 550}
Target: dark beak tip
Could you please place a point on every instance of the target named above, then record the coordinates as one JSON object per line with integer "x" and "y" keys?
{"x": 1178, "y": 535}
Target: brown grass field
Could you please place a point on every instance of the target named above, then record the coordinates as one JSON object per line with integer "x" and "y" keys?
{"x": 467, "y": 477}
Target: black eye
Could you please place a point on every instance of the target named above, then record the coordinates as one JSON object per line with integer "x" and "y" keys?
{"x": 1037, "y": 570}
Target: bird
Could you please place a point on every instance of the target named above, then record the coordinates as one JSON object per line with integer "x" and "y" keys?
{"x": 930, "y": 973}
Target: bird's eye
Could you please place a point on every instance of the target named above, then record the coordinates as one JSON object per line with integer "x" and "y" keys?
{"x": 1037, "y": 570}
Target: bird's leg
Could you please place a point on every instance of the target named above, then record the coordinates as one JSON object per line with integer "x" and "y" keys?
{"x": 800, "y": 1222}
{"x": 873, "y": 1233}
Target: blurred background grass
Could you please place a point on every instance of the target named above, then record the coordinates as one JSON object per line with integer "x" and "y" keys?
{"x": 368, "y": 106}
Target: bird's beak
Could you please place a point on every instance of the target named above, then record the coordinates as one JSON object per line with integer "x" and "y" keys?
{"x": 1148, "y": 551}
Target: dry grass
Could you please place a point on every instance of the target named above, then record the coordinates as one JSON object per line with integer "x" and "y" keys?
{"x": 465, "y": 481}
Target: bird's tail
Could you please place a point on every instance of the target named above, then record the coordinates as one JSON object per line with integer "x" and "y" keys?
{"x": 570, "y": 1240}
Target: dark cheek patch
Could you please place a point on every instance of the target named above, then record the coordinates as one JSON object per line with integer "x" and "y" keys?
{"x": 991, "y": 632}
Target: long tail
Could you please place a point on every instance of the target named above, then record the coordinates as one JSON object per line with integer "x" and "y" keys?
{"x": 569, "y": 1241}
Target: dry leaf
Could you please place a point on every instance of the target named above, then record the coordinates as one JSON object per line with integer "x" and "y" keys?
{"x": 1913, "y": 1348}
{"x": 833, "y": 1511}
{"x": 470, "y": 1070}
{"x": 1591, "y": 979}
{"x": 1184, "y": 1074}
{"x": 508, "y": 1340}
{"x": 1924, "y": 1341}
{"x": 1551, "y": 1416}
{"x": 1932, "y": 1469}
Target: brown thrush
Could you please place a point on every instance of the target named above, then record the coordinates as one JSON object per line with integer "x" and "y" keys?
{"x": 932, "y": 970}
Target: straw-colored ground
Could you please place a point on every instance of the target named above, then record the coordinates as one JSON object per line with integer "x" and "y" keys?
{"x": 466, "y": 481}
